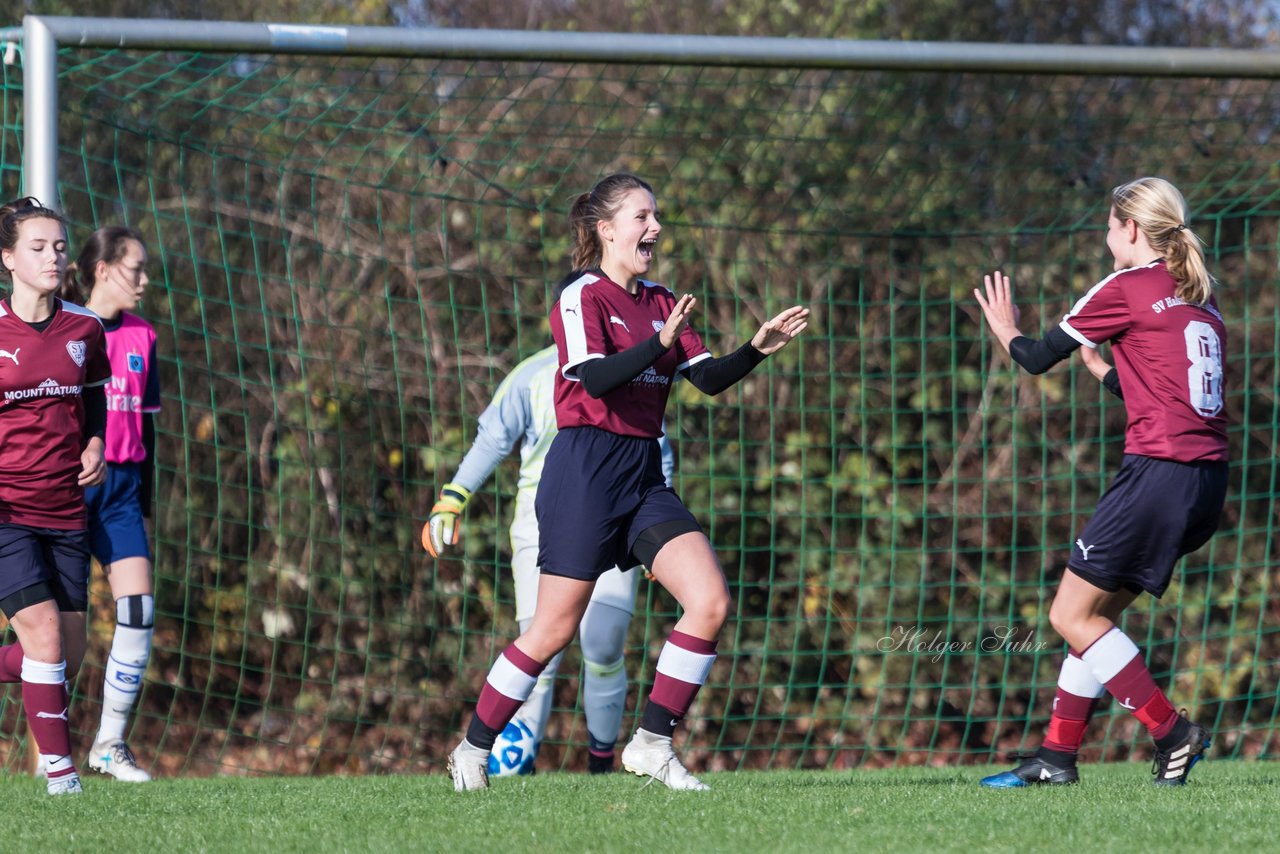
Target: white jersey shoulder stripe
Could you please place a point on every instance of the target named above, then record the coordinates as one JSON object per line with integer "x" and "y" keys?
{"x": 1066, "y": 326}
{"x": 72, "y": 308}
{"x": 575, "y": 333}
{"x": 649, "y": 284}
{"x": 695, "y": 360}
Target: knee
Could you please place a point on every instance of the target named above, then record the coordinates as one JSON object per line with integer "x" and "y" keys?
{"x": 713, "y": 608}
{"x": 42, "y": 640}
{"x": 1062, "y": 619}
{"x": 603, "y": 633}
{"x": 544, "y": 641}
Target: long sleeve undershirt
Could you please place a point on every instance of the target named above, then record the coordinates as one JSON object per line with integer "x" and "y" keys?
{"x": 1036, "y": 357}
{"x": 710, "y": 376}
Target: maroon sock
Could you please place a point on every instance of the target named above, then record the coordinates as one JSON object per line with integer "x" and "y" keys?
{"x": 683, "y": 666}
{"x": 510, "y": 682}
{"x": 1116, "y": 662}
{"x": 11, "y": 662}
{"x": 1073, "y": 705}
{"x": 1134, "y": 688}
{"x": 45, "y": 702}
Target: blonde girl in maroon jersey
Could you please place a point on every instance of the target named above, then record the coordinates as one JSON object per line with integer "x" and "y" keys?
{"x": 1168, "y": 338}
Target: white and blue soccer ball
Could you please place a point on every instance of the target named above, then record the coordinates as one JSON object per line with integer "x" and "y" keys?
{"x": 513, "y": 752}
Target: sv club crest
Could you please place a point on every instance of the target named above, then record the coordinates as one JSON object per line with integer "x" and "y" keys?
{"x": 76, "y": 350}
{"x": 657, "y": 326}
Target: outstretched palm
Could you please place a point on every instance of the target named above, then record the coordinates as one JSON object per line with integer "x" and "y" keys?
{"x": 777, "y": 333}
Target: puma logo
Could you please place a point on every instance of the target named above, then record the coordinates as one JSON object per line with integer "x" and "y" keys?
{"x": 1045, "y": 774}
{"x": 1125, "y": 703}
{"x": 570, "y": 309}
{"x": 59, "y": 716}
{"x": 1085, "y": 549}
{"x": 619, "y": 321}
{"x": 13, "y": 355}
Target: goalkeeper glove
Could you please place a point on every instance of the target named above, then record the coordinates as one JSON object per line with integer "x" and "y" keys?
{"x": 444, "y": 527}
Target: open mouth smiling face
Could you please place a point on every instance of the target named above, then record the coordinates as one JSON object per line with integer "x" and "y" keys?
{"x": 646, "y": 248}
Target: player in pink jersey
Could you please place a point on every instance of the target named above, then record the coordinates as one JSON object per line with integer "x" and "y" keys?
{"x": 53, "y": 366}
{"x": 602, "y": 500}
{"x": 110, "y": 275}
{"x": 1158, "y": 311}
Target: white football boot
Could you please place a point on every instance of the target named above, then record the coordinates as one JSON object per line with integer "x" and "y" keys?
{"x": 68, "y": 785}
{"x": 115, "y": 758}
{"x": 469, "y": 767}
{"x": 649, "y": 755}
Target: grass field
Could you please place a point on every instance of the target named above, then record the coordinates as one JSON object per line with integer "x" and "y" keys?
{"x": 1227, "y": 806}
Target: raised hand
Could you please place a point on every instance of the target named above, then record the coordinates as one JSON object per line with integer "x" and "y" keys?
{"x": 677, "y": 320}
{"x": 997, "y": 306}
{"x": 777, "y": 333}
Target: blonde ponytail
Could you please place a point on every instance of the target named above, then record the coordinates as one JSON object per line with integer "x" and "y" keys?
{"x": 1160, "y": 212}
{"x": 1184, "y": 258}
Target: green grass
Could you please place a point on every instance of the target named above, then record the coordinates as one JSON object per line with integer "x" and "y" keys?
{"x": 1227, "y": 806}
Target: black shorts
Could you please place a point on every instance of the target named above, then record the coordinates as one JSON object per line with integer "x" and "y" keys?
{"x": 599, "y": 492}
{"x": 1154, "y": 512}
{"x": 57, "y": 559}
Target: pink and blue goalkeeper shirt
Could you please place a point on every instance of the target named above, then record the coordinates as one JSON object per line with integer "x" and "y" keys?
{"x": 134, "y": 388}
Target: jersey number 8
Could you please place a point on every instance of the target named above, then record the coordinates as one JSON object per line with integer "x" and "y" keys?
{"x": 1204, "y": 377}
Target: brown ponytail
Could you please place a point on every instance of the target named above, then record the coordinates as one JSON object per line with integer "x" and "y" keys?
{"x": 589, "y": 209}
{"x": 72, "y": 289}
{"x": 108, "y": 244}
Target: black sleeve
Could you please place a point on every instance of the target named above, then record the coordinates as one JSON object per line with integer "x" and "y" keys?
{"x": 1112, "y": 382}
{"x": 146, "y": 488}
{"x": 603, "y": 375}
{"x": 1036, "y": 357}
{"x": 712, "y": 376}
{"x": 95, "y": 412}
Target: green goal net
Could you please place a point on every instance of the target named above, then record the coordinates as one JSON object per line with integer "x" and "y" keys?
{"x": 348, "y": 254}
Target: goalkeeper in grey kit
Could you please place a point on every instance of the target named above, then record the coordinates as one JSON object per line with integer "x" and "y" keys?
{"x": 522, "y": 410}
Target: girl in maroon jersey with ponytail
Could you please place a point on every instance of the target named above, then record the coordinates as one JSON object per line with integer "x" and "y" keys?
{"x": 53, "y": 365}
{"x": 1158, "y": 311}
{"x": 602, "y": 500}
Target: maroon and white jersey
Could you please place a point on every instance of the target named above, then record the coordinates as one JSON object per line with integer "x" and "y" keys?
{"x": 42, "y": 375}
{"x": 1169, "y": 355}
{"x": 594, "y": 318}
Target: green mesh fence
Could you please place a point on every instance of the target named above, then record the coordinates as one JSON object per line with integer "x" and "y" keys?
{"x": 349, "y": 254}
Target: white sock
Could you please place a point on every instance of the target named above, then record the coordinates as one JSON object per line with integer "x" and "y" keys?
{"x": 130, "y": 652}
{"x": 56, "y": 766}
{"x": 604, "y": 695}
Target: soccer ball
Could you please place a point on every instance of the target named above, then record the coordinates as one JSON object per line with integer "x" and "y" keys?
{"x": 513, "y": 752}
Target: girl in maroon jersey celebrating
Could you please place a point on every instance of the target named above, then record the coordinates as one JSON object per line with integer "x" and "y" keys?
{"x": 602, "y": 500}
{"x": 53, "y": 365}
{"x": 1158, "y": 311}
